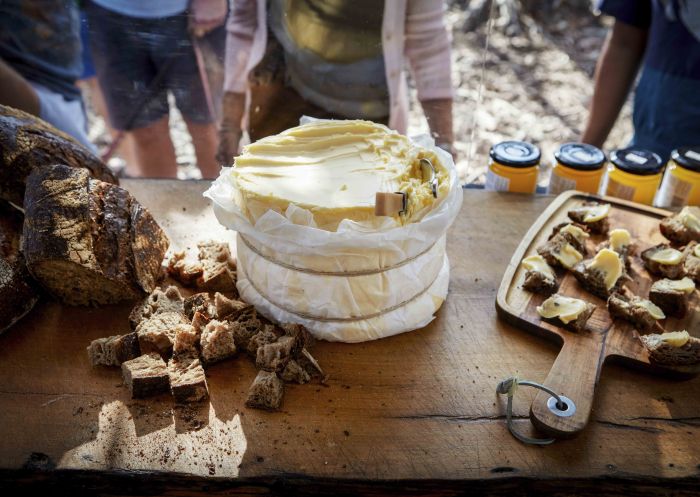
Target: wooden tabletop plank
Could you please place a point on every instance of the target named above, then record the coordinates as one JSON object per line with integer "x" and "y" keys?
{"x": 416, "y": 407}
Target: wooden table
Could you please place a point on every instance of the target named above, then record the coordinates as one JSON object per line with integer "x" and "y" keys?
{"x": 411, "y": 415}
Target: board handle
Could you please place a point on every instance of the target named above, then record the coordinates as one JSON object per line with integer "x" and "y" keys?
{"x": 574, "y": 375}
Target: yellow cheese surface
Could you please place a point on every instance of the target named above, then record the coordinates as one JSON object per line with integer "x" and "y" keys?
{"x": 653, "y": 309}
{"x": 668, "y": 256}
{"x": 576, "y": 232}
{"x": 690, "y": 217}
{"x": 596, "y": 213}
{"x": 568, "y": 256}
{"x": 334, "y": 169}
{"x": 538, "y": 264}
{"x": 608, "y": 262}
{"x": 675, "y": 338}
{"x": 619, "y": 239}
{"x": 565, "y": 308}
{"x": 685, "y": 285}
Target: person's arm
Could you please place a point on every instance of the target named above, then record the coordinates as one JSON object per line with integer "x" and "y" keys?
{"x": 438, "y": 112}
{"x": 428, "y": 50}
{"x": 16, "y": 92}
{"x": 240, "y": 30}
{"x": 615, "y": 73}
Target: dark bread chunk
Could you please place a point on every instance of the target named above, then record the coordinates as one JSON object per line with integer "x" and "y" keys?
{"x": 276, "y": 355}
{"x": 539, "y": 282}
{"x": 168, "y": 300}
{"x": 188, "y": 382}
{"x": 593, "y": 280}
{"x": 661, "y": 352}
{"x": 146, "y": 375}
{"x": 157, "y": 333}
{"x": 294, "y": 373}
{"x": 577, "y": 244}
{"x": 186, "y": 342}
{"x": 114, "y": 350}
{"x": 598, "y": 227}
{"x": 227, "y": 308}
{"x": 182, "y": 270}
{"x": 670, "y": 271}
{"x": 579, "y": 324}
{"x": 18, "y": 290}
{"x": 219, "y": 269}
{"x": 633, "y": 311}
{"x": 245, "y": 327}
{"x": 553, "y": 246}
{"x": 199, "y": 321}
{"x": 672, "y": 302}
{"x": 85, "y": 240}
{"x": 27, "y": 143}
{"x": 217, "y": 342}
{"x": 266, "y": 392}
{"x": 677, "y": 232}
{"x": 691, "y": 262}
{"x": 269, "y": 334}
{"x": 199, "y": 302}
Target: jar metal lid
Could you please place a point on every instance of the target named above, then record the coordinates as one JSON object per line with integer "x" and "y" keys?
{"x": 687, "y": 157}
{"x": 580, "y": 156}
{"x": 515, "y": 154}
{"x": 637, "y": 161}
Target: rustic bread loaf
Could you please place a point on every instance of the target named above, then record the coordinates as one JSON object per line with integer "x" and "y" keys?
{"x": 28, "y": 143}
{"x": 87, "y": 241}
{"x": 114, "y": 350}
{"x": 146, "y": 375}
{"x": 18, "y": 290}
{"x": 266, "y": 392}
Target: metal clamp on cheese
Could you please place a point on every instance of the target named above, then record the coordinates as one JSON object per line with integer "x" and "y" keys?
{"x": 390, "y": 204}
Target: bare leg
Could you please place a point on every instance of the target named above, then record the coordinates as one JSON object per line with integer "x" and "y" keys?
{"x": 126, "y": 148}
{"x": 205, "y": 140}
{"x": 154, "y": 151}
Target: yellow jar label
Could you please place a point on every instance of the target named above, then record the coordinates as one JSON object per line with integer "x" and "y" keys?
{"x": 675, "y": 191}
{"x": 619, "y": 190}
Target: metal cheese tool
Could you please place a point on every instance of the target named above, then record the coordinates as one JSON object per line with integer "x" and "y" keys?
{"x": 391, "y": 204}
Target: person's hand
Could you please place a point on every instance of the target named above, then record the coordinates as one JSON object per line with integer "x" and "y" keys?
{"x": 206, "y": 15}
{"x": 230, "y": 132}
{"x": 229, "y": 139}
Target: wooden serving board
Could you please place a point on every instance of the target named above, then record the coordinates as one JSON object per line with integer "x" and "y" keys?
{"x": 577, "y": 368}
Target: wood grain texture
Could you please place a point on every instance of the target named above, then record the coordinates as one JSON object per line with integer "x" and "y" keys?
{"x": 577, "y": 368}
{"x": 414, "y": 414}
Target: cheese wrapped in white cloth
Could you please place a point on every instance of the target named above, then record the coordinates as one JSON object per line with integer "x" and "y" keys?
{"x": 370, "y": 277}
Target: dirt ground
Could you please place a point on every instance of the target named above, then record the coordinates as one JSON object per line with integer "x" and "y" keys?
{"x": 532, "y": 81}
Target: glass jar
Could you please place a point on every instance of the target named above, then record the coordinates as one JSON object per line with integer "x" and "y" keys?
{"x": 634, "y": 174}
{"x": 577, "y": 166}
{"x": 681, "y": 183}
{"x": 514, "y": 167}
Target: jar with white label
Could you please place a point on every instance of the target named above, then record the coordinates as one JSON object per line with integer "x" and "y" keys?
{"x": 681, "y": 183}
{"x": 577, "y": 166}
{"x": 514, "y": 167}
{"x": 634, "y": 174}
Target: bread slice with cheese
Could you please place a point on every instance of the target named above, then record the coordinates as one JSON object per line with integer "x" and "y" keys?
{"x": 664, "y": 260}
{"x": 684, "y": 227}
{"x": 677, "y": 348}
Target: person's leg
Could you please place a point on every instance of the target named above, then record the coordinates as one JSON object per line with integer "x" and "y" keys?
{"x": 126, "y": 72}
{"x": 205, "y": 141}
{"x": 154, "y": 151}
